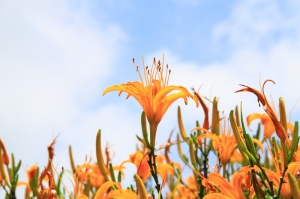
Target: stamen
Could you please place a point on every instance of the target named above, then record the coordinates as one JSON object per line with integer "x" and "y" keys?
{"x": 147, "y": 78}
{"x": 161, "y": 77}
{"x": 150, "y": 76}
{"x": 137, "y": 69}
{"x": 145, "y": 71}
{"x": 167, "y": 77}
{"x": 152, "y": 73}
{"x": 156, "y": 69}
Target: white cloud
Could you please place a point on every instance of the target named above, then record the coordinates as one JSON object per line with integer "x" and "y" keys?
{"x": 53, "y": 61}
{"x": 253, "y": 23}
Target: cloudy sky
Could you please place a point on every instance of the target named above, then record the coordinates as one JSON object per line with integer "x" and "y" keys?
{"x": 57, "y": 57}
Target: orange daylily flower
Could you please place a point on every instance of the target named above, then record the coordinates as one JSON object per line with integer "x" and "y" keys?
{"x": 141, "y": 162}
{"x": 143, "y": 170}
{"x": 153, "y": 94}
{"x": 285, "y": 191}
{"x": 88, "y": 172}
{"x": 266, "y": 121}
{"x": 242, "y": 179}
{"x": 31, "y": 172}
{"x": 216, "y": 196}
{"x": 5, "y": 158}
{"x": 115, "y": 193}
{"x": 215, "y": 183}
{"x": 163, "y": 170}
{"x": 225, "y": 144}
{"x": 189, "y": 192}
{"x": 236, "y": 156}
{"x": 280, "y": 131}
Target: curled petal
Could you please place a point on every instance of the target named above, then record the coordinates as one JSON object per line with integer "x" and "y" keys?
{"x": 103, "y": 189}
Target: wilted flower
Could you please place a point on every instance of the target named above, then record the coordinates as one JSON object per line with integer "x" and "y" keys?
{"x": 280, "y": 131}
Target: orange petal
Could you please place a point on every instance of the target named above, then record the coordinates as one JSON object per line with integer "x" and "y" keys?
{"x": 163, "y": 170}
{"x": 216, "y": 195}
{"x": 103, "y": 189}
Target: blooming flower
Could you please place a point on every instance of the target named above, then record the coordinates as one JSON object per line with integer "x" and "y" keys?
{"x": 90, "y": 172}
{"x": 115, "y": 193}
{"x": 217, "y": 186}
{"x": 143, "y": 170}
{"x": 225, "y": 144}
{"x": 153, "y": 93}
{"x": 265, "y": 120}
{"x": 141, "y": 162}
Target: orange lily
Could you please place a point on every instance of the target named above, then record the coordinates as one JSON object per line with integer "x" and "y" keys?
{"x": 242, "y": 179}
{"x": 31, "y": 172}
{"x": 225, "y": 144}
{"x": 265, "y": 120}
{"x": 141, "y": 162}
{"x": 5, "y": 158}
{"x": 143, "y": 170}
{"x": 216, "y": 185}
{"x": 88, "y": 172}
{"x": 153, "y": 94}
{"x": 280, "y": 131}
{"x": 189, "y": 191}
{"x": 117, "y": 193}
{"x": 285, "y": 191}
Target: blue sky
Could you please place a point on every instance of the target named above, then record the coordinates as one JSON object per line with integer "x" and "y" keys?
{"x": 57, "y": 57}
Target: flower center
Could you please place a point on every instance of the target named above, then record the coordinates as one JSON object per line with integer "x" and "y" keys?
{"x": 156, "y": 72}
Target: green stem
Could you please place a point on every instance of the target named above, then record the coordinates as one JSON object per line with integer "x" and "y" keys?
{"x": 153, "y": 129}
{"x": 281, "y": 181}
{"x": 266, "y": 177}
{"x": 224, "y": 171}
{"x": 152, "y": 165}
{"x": 152, "y": 157}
